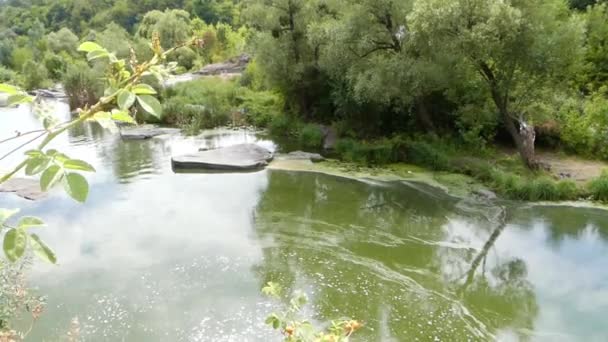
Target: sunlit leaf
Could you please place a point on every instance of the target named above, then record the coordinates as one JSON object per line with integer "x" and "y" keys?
{"x": 272, "y": 289}
{"x": 14, "y": 244}
{"x": 8, "y": 89}
{"x": 90, "y": 47}
{"x": 30, "y": 221}
{"x": 97, "y": 54}
{"x": 105, "y": 120}
{"x": 123, "y": 116}
{"x": 126, "y": 99}
{"x": 79, "y": 165}
{"x": 34, "y": 153}
{"x": 76, "y": 186}
{"x": 50, "y": 177}
{"x": 16, "y": 99}
{"x": 36, "y": 165}
{"x": 143, "y": 89}
{"x": 5, "y": 214}
{"x": 42, "y": 250}
{"x": 151, "y": 105}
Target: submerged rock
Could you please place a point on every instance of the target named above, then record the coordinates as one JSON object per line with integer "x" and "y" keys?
{"x": 485, "y": 194}
{"x": 300, "y": 155}
{"x": 242, "y": 157}
{"x": 24, "y": 188}
{"x": 146, "y": 132}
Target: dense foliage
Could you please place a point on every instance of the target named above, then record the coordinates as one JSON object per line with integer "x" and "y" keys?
{"x": 518, "y": 72}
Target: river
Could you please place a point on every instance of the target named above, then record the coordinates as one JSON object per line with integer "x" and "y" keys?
{"x": 158, "y": 256}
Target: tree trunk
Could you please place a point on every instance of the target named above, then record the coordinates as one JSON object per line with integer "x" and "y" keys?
{"x": 524, "y": 137}
{"x": 423, "y": 115}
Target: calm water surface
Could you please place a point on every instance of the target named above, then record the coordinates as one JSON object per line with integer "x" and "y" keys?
{"x": 158, "y": 256}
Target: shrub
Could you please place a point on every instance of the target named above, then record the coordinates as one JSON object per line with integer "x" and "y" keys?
{"x": 62, "y": 40}
{"x": 261, "y": 107}
{"x": 311, "y": 136}
{"x": 20, "y": 56}
{"x": 203, "y": 103}
{"x": 185, "y": 57}
{"x": 567, "y": 190}
{"x": 7, "y": 75}
{"x": 584, "y": 126}
{"x": 282, "y": 126}
{"x": 55, "y": 65}
{"x": 82, "y": 84}
{"x": 423, "y": 153}
{"x": 544, "y": 189}
{"x": 599, "y": 188}
{"x": 35, "y": 76}
{"x": 375, "y": 153}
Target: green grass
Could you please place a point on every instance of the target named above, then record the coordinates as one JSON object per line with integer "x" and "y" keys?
{"x": 598, "y": 188}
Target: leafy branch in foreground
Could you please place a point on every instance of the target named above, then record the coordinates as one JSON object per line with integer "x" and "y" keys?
{"x": 296, "y": 329}
{"x": 124, "y": 90}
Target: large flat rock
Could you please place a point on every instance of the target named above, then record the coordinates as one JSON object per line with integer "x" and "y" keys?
{"x": 244, "y": 157}
{"x": 146, "y": 132}
{"x": 24, "y": 188}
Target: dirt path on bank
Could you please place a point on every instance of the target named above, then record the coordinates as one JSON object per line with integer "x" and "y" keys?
{"x": 572, "y": 167}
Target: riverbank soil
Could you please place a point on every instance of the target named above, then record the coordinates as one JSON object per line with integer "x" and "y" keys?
{"x": 572, "y": 167}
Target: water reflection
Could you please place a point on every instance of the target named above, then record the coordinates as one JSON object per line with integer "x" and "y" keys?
{"x": 156, "y": 256}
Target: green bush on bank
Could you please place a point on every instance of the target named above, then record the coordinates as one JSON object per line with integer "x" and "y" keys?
{"x": 212, "y": 102}
{"x": 598, "y": 188}
{"x": 511, "y": 181}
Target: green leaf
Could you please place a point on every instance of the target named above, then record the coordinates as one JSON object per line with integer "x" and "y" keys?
{"x": 272, "y": 289}
{"x": 76, "y": 186}
{"x": 123, "y": 116}
{"x": 50, "y": 177}
{"x": 34, "y": 153}
{"x": 79, "y": 165}
{"x": 97, "y": 54}
{"x": 36, "y": 165}
{"x": 42, "y": 250}
{"x": 16, "y": 99}
{"x": 8, "y": 89}
{"x": 143, "y": 89}
{"x": 151, "y": 105}
{"x": 90, "y": 47}
{"x": 105, "y": 120}
{"x": 15, "y": 241}
{"x": 126, "y": 99}
{"x": 5, "y": 214}
{"x": 29, "y": 221}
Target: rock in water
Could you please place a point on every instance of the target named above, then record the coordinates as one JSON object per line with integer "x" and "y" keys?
{"x": 485, "y": 194}
{"x": 300, "y": 155}
{"x": 146, "y": 132}
{"x": 244, "y": 157}
{"x": 24, "y": 188}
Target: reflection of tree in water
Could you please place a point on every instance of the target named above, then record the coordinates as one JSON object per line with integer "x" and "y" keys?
{"x": 366, "y": 251}
{"x": 132, "y": 158}
{"x": 564, "y": 222}
{"x": 504, "y": 286}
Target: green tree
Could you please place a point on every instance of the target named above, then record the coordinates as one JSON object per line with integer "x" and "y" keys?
{"x": 172, "y": 26}
{"x": 285, "y": 54}
{"x": 519, "y": 49}
{"x": 595, "y": 73}
{"x": 63, "y": 40}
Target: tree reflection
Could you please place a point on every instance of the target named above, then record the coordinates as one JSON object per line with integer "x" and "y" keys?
{"x": 565, "y": 222}
{"x": 504, "y": 287}
{"x": 370, "y": 252}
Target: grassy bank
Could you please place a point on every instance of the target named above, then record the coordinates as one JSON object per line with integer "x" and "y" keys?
{"x": 457, "y": 165}
{"x": 213, "y": 102}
